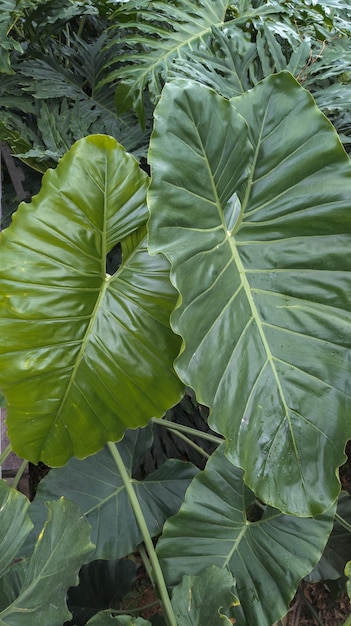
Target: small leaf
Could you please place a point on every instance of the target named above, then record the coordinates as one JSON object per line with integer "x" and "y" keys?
{"x": 61, "y": 549}
{"x": 203, "y": 599}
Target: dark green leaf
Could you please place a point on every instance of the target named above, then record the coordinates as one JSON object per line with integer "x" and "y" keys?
{"x": 250, "y": 203}
{"x": 82, "y": 351}
{"x": 62, "y": 547}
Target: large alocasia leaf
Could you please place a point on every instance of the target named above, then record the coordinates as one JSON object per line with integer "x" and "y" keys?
{"x": 83, "y": 355}
{"x": 213, "y": 527}
{"x": 250, "y": 201}
{"x": 97, "y": 487}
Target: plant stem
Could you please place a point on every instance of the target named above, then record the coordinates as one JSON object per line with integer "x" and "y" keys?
{"x": 5, "y": 453}
{"x": 343, "y": 522}
{"x": 146, "y": 562}
{"x": 19, "y": 474}
{"x": 191, "y": 443}
{"x": 157, "y": 572}
{"x": 186, "y": 429}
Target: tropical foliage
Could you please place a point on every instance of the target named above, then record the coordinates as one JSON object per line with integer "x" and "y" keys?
{"x": 175, "y": 307}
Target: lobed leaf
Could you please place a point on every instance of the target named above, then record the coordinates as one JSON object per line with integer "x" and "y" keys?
{"x": 61, "y": 549}
{"x": 96, "y": 486}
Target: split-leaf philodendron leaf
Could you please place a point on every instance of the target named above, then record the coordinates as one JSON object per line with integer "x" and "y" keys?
{"x": 250, "y": 201}
{"x": 83, "y": 355}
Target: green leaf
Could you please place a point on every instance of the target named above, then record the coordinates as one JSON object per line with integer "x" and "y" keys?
{"x": 61, "y": 549}
{"x": 254, "y": 215}
{"x": 200, "y": 600}
{"x": 104, "y": 618}
{"x": 267, "y": 557}
{"x": 96, "y": 486}
{"x": 15, "y": 524}
{"x": 83, "y": 355}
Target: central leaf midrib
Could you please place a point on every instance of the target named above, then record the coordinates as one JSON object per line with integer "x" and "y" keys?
{"x": 85, "y": 340}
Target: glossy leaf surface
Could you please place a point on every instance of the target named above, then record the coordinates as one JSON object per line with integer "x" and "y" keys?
{"x": 96, "y": 486}
{"x": 61, "y": 549}
{"x": 250, "y": 201}
{"x": 83, "y": 355}
{"x": 213, "y": 527}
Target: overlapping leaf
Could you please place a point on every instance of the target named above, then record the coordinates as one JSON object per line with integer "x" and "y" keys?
{"x": 205, "y": 599}
{"x": 212, "y": 528}
{"x": 83, "y": 355}
{"x": 97, "y": 487}
{"x": 250, "y": 201}
{"x": 15, "y": 524}
{"x": 60, "y": 550}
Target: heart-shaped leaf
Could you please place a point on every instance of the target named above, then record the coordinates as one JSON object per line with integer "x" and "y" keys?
{"x": 254, "y": 215}
{"x": 83, "y": 355}
{"x": 214, "y": 527}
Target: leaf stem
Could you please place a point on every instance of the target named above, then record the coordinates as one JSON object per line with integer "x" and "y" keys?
{"x": 157, "y": 572}
{"x": 186, "y": 429}
{"x": 5, "y": 454}
{"x": 191, "y": 443}
{"x": 343, "y": 522}
{"x": 19, "y": 474}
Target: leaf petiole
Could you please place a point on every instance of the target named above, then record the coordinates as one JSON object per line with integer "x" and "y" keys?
{"x": 157, "y": 572}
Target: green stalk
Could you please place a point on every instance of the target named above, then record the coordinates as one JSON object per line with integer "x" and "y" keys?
{"x": 187, "y": 429}
{"x": 5, "y": 454}
{"x": 19, "y": 474}
{"x": 343, "y": 522}
{"x": 158, "y": 576}
{"x": 191, "y": 443}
